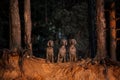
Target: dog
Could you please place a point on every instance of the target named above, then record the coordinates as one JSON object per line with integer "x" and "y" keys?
{"x": 62, "y": 51}
{"x": 50, "y": 51}
{"x": 72, "y": 50}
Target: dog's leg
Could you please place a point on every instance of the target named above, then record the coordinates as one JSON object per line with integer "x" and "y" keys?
{"x": 70, "y": 57}
{"x": 52, "y": 58}
{"x": 75, "y": 57}
{"x": 47, "y": 57}
{"x": 65, "y": 58}
{"x": 58, "y": 57}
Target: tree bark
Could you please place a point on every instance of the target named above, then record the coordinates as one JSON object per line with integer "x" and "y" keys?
{"x": 101, "y": 30}
{"x": 112, "y": 31}
{"x": 15, "y": 27}
{"x": 27, "y": 19}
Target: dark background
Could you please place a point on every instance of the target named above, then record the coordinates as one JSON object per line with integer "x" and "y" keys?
{"x": 50, "y": 18}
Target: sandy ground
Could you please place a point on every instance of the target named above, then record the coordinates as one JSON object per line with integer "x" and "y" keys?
{"x": 37, "y": 69}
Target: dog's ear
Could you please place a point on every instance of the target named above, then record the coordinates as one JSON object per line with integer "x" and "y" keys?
{"x": 74, "y": 41}
{"x": 48, "y": 43}
{"x": 51, "y": 43}
{"x": 65, "y": 42}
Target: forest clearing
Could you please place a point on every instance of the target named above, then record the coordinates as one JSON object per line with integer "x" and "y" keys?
{"x": 59, "y": 39}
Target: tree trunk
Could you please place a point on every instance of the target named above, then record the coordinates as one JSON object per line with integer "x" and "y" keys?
{"x": 101, "y": 30}
{"x": 15, "y": 29}
{"x": 112, "y": 32}
{"x": 27, "y": 18}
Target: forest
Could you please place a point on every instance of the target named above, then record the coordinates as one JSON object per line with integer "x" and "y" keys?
{"x": 59, "y": 39}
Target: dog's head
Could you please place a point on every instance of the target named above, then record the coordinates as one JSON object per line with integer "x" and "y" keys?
{"x": 72, "y": 42}
{"x": 63, "y": 42}
{"x": 50, "y": 43}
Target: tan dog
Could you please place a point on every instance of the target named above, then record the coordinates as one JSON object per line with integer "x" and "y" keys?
{"x": 50, "y": 51}
{"x": 62, "y": 51}
{"x": 72, "y": 50}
